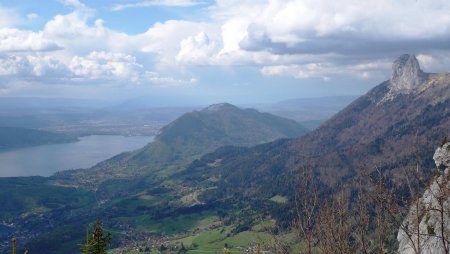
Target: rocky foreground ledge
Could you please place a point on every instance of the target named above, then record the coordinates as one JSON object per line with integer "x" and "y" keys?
{"x": 426, "y": 229}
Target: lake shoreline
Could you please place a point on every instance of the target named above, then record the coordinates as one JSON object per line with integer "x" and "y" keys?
{"x": 45, "y": 160}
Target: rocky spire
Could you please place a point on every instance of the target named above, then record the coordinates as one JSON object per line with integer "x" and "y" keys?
{"x": 407, "y": 77}
{"x": 406, "y": 74}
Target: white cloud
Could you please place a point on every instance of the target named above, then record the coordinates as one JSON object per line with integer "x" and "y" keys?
{"x": 93, "y": 52}
{"x": 47, "y": 66}
{"x": 73, "y": 25}
{"x": 165, "y": 39}
{"x": 31, "y": 66}
{"x": 98, "y": 67}
{"x": 14, "y": 65}
{"x": 233, "y": 32}
{"x": 323, "y": 26}
{"x": 298, "y": 38}
{"x": 12, "y": 39}
{"x": 74, "y": 3}
{"x": 106, "y": 65}
{"x": 77, "y": 37}
{"x": 120, "y": 67}
{"x": 196, "y": 49}
{"x": 309, "y": 38}
{"x": 152, "y": 3}
{"x": 325, "y": 71}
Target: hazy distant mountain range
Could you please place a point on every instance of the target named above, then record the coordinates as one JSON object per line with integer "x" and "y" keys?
{"x": 310, "y": 112}
{"x": 139, "y": 116}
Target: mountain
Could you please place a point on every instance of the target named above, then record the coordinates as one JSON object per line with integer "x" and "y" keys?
{"x": 310, "y": 112}
{"x": 192, "y": 135}
{"x": 385, "y": 128}
{"x": 218, "y": 125}
{"x": 141, "y": 184}
{"x": 392, "y": 128}
{"x": 12, "y": 137}
{"x": 234, "y": 192}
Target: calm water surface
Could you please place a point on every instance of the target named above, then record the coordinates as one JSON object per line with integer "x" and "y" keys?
{"x": 47, "y": 159}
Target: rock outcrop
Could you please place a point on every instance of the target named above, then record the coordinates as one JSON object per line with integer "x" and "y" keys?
{"x": 428, "y": 221}
{"x": 406, "y": 78}
{"x": 406, "y": 74}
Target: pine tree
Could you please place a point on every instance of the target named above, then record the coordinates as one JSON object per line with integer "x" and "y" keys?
{"x": 97, "y": 243}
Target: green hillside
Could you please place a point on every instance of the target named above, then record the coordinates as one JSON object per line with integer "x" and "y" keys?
{"x": 218, "y": 125}
{"x": 187, "y": 138}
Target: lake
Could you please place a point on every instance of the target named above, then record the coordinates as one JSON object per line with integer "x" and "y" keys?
{"x": 47, "y": 159}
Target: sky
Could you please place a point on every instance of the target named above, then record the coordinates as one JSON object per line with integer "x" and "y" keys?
{"x": 205, "y": 51}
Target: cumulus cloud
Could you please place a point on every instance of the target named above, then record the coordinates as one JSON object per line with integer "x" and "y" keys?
{"x": 98, "y": 67}
{"x": 166, "y": 40}
{"x": 12, "y": 39}
{"x": 120, "y": 67}
{"x": 65, "y": 28}
{"x": 298, "y": 38}
{"x": 152, "y": 3}
{"x": 196, "y": 49}
{"x": 93, "y": 52}
{"x": 349, "y": 27}
{"x": 280, "y": 34}
{"x": 13, "y": 65}
{"x": 30, "y": 66}
{"x": 106, "y": 65}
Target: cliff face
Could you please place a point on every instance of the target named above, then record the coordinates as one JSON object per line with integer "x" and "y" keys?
{"x": 426, "y": 229}
{"x": 406, "y": 78}
{"x": 406, "y": 74}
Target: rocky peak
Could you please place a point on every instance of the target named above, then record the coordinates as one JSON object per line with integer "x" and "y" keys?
{"x": 406, "y": 78}
{"x": 406, "y": 74}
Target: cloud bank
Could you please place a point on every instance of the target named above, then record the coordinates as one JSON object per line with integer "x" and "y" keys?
{"x": 301, "y": 39}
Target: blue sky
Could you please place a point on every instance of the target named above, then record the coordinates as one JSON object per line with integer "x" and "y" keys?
{"x": 204, "y": 51}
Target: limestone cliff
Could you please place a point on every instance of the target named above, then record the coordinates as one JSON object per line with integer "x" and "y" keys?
{"x": 432, "y": 212}
{"x": 406, "y": 74}
{"x": 406, "y": 78}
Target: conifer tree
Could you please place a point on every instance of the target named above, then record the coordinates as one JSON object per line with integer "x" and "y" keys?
{"x": 97, "y": 243}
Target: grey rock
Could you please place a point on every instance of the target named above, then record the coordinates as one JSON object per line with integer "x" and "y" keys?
{"x": 406, "y": 74}
{"x": 442, "y": 156}
{"x": 406, "y": 78}
{"x": 431, "y": 226}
